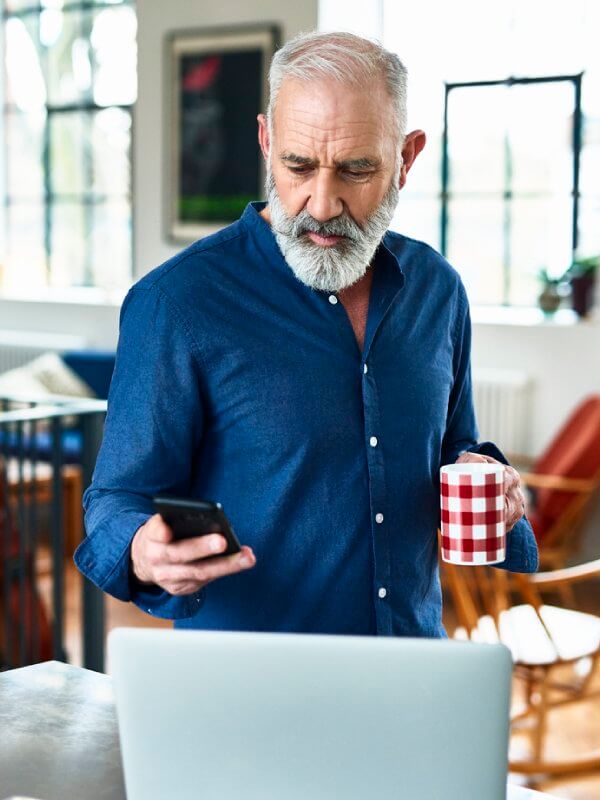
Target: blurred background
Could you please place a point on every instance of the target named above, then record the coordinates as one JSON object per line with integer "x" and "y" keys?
{"x": 110, "y": 107}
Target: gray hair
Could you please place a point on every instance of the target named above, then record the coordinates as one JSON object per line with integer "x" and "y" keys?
{"x": 349, "y": 59}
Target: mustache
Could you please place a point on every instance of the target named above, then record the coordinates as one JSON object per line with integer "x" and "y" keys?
{"x": 342, "y": 225}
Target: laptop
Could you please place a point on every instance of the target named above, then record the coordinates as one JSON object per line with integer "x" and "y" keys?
{"x": 259, "y": 716}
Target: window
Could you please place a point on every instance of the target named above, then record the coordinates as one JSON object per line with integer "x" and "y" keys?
{"x": 510, "y": 182}
{"x": 528, "y": 128}
{"x": 69, "y": 86}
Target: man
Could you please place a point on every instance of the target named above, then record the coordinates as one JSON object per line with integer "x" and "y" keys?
{"x": 307, "y": 369}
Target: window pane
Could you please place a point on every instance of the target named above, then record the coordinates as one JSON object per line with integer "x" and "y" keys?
{"x": 589, "y": 182}
{"x": 25, "y": 87}
{"x": 540, "y": 237}
{"x": 111, "y": 140}
{"x": 418, "y": 217}
{"x": 67, "y": 260}
{"x": 541, "y": 130}
{"x": 476, "y": 246}
{"x": 477, "y": 123}
{"x": 25, "y": 252}
{"x": 67, "y": 142}
{"x": 69, "y": 68}
{"x": 24, "y": 153}
{"x": 114, "y": 46}
{"x": 589, "y": 226}
{"x": 111, "y": 244}
{"x": 18, "y": 5}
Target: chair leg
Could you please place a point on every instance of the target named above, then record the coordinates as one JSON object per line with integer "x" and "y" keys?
{"x": 567, "y": 595}
{"x": 538, "y": 733}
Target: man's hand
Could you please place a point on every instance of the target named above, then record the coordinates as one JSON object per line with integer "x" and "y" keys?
{"x": 181, "y": 567}
{"x": 514, "y": 499}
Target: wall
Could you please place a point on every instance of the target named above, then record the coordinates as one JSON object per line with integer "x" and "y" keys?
{"x": 155, "y": 19}
{"x": 562, "y": 360}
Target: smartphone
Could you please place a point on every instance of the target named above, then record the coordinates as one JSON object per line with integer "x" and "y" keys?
{"x": 188, "y": 518}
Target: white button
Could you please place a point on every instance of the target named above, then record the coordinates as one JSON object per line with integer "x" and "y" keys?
{"x": 365, "y": 369}
{"x": 379, "y": 518}
{"x": 373, "y": 441}
{"x": 332, "y": 299}
{"x": 382, "y": 592}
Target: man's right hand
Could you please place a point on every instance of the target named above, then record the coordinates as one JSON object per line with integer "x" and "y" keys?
{"x": 181, "y": 567}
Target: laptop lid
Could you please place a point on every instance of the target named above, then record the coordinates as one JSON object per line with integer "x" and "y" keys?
{"x": 291, "y": 716}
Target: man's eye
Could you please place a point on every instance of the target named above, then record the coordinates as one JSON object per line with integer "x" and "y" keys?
{"x": 300, "y": 170}
{"x": 356, "y": 175}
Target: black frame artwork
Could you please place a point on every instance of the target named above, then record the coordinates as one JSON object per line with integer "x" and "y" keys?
{"x": 217, "y": 82}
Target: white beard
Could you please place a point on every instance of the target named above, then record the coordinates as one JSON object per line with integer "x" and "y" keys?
{"x": 335, "y": 267}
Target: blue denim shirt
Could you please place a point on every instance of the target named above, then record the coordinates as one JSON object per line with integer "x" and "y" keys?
{"x": 237, "y": 383}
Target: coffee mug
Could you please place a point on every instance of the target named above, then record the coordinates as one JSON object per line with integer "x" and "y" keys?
{"x": 473, "y": 520}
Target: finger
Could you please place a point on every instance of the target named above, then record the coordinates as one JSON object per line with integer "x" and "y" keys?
{"x": 182, "y": 588}
{"x": 194, "y": 548}
{"x": 158, "y": 530}
{"x": 475, "y": 457}
{"x": 203, "y": 571}
{"x": 511, "y": 476}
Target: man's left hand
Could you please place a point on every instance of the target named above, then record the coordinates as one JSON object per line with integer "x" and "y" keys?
{"x": 514, "y": 499}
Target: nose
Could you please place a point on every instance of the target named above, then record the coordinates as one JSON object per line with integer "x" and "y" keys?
{"x": 324, "y": 202}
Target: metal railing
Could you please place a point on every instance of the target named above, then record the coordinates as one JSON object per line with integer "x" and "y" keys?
{"x": 33, "y": 469}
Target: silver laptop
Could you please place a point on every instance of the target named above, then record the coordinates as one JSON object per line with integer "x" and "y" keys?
{"x": 218, "y": 716}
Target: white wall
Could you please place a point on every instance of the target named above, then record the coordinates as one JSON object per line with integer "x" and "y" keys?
{"x": 563, "y": 361}
{"x": 155, "y": 19}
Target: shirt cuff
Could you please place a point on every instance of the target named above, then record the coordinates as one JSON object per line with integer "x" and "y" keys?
{"x": 105, "y": 559}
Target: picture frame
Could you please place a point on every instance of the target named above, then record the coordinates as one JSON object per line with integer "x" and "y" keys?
{"x": 217, "y": 83}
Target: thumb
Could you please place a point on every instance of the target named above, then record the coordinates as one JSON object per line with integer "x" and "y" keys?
{"x": 158, "y": 530}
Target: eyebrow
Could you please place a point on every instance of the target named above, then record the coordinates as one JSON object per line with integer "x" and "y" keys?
{"x": 351, "y": 163}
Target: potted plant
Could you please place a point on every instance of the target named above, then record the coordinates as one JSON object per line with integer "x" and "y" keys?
{"x": 582, "y": 278}
{"x": 550, "y": 296}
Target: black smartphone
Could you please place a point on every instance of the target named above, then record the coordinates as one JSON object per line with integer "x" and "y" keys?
{"x": 188, "y": 518}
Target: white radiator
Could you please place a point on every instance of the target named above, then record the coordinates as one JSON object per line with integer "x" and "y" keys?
{"x": 502, "y": 401}
{"x": 19, "y": 347}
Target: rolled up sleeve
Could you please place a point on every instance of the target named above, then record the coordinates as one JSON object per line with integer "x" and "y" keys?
{"x": 152, "y": 432}
{"x": 462, "y": 434}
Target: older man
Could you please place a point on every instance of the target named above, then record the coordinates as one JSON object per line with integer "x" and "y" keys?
{"x": 309, "y": 370}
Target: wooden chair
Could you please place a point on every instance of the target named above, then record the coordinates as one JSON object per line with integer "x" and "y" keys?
{"x": 546, "y": 642}
{"x": 564, "y": 481}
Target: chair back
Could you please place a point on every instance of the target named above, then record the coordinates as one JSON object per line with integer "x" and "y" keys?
{"x": 573, "y": 453}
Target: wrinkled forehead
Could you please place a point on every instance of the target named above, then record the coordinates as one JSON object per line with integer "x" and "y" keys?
{"x": 326, "y": 111}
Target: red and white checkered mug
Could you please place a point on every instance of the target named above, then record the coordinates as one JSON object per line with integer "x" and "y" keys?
{"x": 473, "y": 520}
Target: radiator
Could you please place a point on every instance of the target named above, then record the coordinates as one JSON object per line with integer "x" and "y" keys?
{"x": 19, "y": 347}
{"x": 502, "y": 401}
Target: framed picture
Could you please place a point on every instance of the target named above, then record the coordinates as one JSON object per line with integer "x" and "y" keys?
{"x": 217, "y": 81}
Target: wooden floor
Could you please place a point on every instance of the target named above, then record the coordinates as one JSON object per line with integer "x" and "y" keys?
{"x": 573, "y": 729}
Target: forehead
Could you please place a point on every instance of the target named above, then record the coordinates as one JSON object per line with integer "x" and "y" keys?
{"x": 326, "y": 116}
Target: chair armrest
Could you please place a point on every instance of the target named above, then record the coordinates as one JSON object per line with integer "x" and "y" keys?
{"x": 569, "y": 575}
{"x": 536, "y": 480}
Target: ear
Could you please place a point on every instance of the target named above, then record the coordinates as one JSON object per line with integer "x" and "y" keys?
{"x": 263, "y": 136}
{"x": 414, "y": 142}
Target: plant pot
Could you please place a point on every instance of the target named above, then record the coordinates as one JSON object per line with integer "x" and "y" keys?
{"x": 549, "y": 299}
{"x": 582, "y": 293}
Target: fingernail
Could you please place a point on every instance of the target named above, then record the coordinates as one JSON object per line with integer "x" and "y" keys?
{"x": 216, "y": 544}
{"x": 245, "y": 561}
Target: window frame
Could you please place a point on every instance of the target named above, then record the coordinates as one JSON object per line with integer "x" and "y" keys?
{"x": 507, "y": 195}
{"x": 86, "y": 199}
